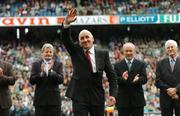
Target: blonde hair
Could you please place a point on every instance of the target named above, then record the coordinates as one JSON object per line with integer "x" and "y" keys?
{"x": 47, "y": 45}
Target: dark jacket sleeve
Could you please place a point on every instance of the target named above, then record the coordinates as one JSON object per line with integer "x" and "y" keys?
{"x": 67, "y": 40}
{"x": 119, "y": 77}
{"x": 35, "y": 77}
{"x": 159, "y": 82}
{"x": 57, "y": 74}
{"x": 143, "y": 75}
{"x": 9, "y": 76}
{"x": 110, "y": 73}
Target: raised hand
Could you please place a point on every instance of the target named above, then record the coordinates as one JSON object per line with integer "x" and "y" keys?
{"x": 71, "y": 17}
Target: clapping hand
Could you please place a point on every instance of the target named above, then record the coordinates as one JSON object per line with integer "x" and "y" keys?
{"x": 125, "y": 75}
{"x": 136, "y": 78}
{"x": 1, "y": 72}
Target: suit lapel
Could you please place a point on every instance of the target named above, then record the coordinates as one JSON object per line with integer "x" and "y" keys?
{"x": 82, "y": 53}
{"x": 97, "y": 58}
{"x": 177, "y": 63}
{"x": 125, "y": 64}
{"x": 133, "y": 65}
{"x": 168, "y": 64}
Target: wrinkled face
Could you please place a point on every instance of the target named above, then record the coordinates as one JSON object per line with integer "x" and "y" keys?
{"x": 86, "y": 39}
{"x": 129, "y": 52}
{"x": 47, "y": 54}
{"x": 171, "y": 50}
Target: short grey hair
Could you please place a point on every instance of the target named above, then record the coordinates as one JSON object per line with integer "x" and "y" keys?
{"x": 47, "y": 45}
{"x": 172, "y": 42}
{"x": 129, "y": 44}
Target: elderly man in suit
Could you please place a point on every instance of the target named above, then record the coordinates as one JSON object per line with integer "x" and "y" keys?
{"x": 85, "y": 88}
{"x": 131, "y": 74}
{"x": 7, "y": 77}
{"x": 47, "y": 74}
{"x": 168, "y": 80}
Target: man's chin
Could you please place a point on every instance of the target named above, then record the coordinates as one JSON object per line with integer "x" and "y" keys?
{"x": 86, "y": 47}
{"x": 48, "y": 59}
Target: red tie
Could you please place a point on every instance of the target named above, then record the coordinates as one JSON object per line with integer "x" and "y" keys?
{"x": 89, "y": 59}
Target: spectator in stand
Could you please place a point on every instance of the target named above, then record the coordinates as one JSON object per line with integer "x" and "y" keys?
{"x": 7, "y": 77}
{"x": 131, "y": 76}
{"x": 47, "y": 74}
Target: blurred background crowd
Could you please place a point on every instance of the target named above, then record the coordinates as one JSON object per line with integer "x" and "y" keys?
{"x": 22, "y": 55}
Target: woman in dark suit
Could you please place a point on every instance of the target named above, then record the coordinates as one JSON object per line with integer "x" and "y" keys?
{"x": 47, "y": 74}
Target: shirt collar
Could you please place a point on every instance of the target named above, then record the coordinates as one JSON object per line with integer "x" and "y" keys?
{"x": 91, "y": 50}
{"x": 129, "y": 61}
{"x": 174, "y": 59}
{"x": 47, "y": 61}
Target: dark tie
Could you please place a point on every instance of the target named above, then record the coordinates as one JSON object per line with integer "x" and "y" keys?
{"x": 129, "y": 65}
{"x": 89, "y": 59}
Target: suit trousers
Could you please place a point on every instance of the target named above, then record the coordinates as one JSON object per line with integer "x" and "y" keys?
{"x": 169, "y": 111}
{"x": 131, "y": 111}
{"x": 85, "y": 108}
{"x": 47, "y": 111}
{"x": 4, "y": 112}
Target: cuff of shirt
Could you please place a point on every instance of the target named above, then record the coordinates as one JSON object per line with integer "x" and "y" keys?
{"x": 66, "y": 25}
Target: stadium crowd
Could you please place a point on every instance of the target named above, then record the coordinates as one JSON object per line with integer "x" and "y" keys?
{"x": 22, "y": 55}
{"x": 87, "y": 7}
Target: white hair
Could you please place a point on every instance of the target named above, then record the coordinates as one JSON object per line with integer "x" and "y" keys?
{"x": 129, "y": 44}
{"x": 47, "y": 45}
{"x": 85, "y": 31}
{"x": 172, "y": 42}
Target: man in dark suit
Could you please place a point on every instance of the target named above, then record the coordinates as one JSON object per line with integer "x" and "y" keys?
{"x": 85, "y": 88}
{"x": 131, "y": 76}
{"x": 47, "y": 74}
{"x": 7, "y": 77}
{"x": 168, "y": 80}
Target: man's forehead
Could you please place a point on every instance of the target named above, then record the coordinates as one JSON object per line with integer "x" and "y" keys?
{"x": 170, "y": 44}
{"x": 85, "y": 33}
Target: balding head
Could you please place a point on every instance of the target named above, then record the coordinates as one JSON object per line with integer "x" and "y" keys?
{"x": 86, "y": 39}
{"x": 85, "y": 32}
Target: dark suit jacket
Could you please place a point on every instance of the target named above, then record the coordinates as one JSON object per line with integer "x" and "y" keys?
{"x": 84, "y": 85}
{"x": 5, "y": 81}
{"x": 47, "y": 91}
{"x": 165, "y": 79}
{"x": 129, "y": 93}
